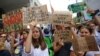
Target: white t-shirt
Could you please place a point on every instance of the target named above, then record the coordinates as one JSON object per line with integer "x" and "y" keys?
{"x": 36, "y": 52}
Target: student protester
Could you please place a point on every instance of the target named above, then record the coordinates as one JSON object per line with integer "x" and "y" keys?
{"x": 60, "y": 46}
{"x": 35, "y": 44}
{"x": 86, "y": 31}
{"x": 95, "y": 29}
{"x": 49, "y": 41}
{"x": 3, "y": 51}
{"x": 24, "y": 35}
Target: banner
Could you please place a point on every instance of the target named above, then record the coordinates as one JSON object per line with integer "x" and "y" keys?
{"x": 13, "y": 20}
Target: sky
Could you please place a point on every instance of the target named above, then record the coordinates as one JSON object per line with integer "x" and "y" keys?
{"x": 58, "y": 5}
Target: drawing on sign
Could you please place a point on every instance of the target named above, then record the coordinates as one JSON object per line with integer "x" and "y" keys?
{"x": 5, "y": 22}
{"x": 12, "y": 20}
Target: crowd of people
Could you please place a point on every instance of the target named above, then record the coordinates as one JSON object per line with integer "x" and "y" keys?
{"x": 34, "y": 42}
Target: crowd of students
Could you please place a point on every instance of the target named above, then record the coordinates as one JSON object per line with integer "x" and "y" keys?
{"x": 34, "y": 42}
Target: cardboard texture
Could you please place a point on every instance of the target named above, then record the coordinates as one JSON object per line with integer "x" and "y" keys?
{"x": 61, "y": 19}
{"x": 84, "y": 44}
{"x": 37, "y": 13}
{"x": 97, "y": 54}
{"x": 92, "y": 45}
{"x": 64, "y": 34}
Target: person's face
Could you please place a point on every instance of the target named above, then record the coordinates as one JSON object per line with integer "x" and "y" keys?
{"x": 84, "y": 32}
{"x": 92, "y": 26}
{"x": 2, "y": 42}
{"x": 2, "y": 38}
{"x": 36, "y": 33}
{"x": 13, "y": 34}
{"x": 25, "y": 35}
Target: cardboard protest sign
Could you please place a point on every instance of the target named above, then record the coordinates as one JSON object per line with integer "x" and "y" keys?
{"x": 61, "y": 19}
{"x": 12, "y": 20}
{"x": 19, "y": 19}
{"x": 84, "y": 44}
{"x": 6, "y": 22}
{"x": 79, "y": 44}
{"x": 36, "y": 13}
{"x": 64, "y": 34}
{"x": 92, "y": 45}
{"x": 97, "y": 54}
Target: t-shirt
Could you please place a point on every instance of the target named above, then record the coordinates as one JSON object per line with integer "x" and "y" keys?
{"x": 65, "y": 50}
{"x": 4, "y": 53}
{"x": 36, "y": 52}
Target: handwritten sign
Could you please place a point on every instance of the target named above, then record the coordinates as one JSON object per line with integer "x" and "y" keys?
{"x": 97, "y": 54}
{"x": 84, "y": 44}
{"x": 64, "y": 34}
{"x": 61, "y": 19}
{"x": 37, "y": 13}
{"x": 92, "y": 45}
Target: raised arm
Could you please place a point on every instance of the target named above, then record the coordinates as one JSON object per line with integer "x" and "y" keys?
{"x": 29, "y": 40}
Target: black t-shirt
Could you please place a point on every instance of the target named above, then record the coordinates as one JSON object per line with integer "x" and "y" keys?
{"x": 4, "y": 53}
{"x": 65, "y": 50}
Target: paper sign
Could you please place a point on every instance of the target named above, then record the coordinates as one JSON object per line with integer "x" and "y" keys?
{"x": 37, "y": 13}
{"x": 64, "y": 34}
{"x": 87, "y": 16}
{"x": 60, "y": 19}
{"x": 13, "y": 20}
{"x": 84, "y": 44}
{"x": 97, "y": 54}
{"x": 91, "y": 42}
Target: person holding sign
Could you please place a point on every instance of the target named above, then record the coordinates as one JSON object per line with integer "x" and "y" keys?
{"x": 84, "y": 32}
{"x": 35, "y": 44}
{"x": 3, "y": 51}
{"x": 60, "y": 45}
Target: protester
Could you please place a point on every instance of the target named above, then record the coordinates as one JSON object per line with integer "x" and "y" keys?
{"x": 49, "y": 41}
{"x": 3, "y": 51}
{"x": 61, "y": 46}
{"x": 84, "y": 32}
{"x": 35, "y": 44}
